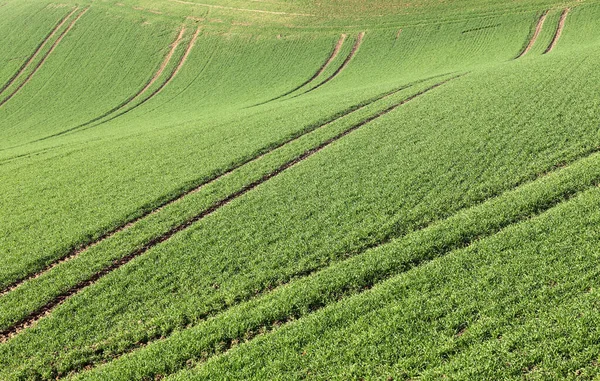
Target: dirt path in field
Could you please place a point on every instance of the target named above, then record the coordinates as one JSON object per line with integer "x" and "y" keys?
{"x": 538, "y": 29}
{"x": 43, "y": 60}
{"x": 164, "y": 64}
{"x": 242, "y": 9}
{"x": 37, "y": 50}
{"x": 332, "y": 56}
{"x": 35, "y": 316}
{"x": 355, "y": 48}
{"x": 559, "y": 30}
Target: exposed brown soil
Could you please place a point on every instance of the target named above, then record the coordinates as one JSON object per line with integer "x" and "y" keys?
{"x": 37, "y": 50}
{"x": 35, "y": 316}
{"x": 334, "y": 54}
{"x": 164, "y": 84}
{"x": 163, "y": 65}
{"x": 43, "y": 60}
{"x": 559, "y": 29}
{"x": 536, "y": 33}
{"x": 355, "y": 48}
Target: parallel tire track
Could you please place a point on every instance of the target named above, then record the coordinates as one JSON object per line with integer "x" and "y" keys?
{"x": 77, "y": 251}
{"x": 132, "y": 98}
{"x": 536, "y": 33}
{"x": 35, "y": 316}
{"x": 166, "y": 82}
{"x": 45, "y": 57}
{"x": 37, "y": 51}
{"x": 275, "y": 323}
{"x": 332, "y": 56}
{"x": 355, "y": 48}
{"x": 559, "y": 29}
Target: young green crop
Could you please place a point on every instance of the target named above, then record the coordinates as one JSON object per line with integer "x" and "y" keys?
{"x": 420, "y": 181}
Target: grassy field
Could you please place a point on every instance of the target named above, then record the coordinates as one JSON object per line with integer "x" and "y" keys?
{"x": 242, "y": 189}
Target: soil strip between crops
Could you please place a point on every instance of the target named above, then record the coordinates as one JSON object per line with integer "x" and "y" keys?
{"x": 37, "y": 51}
{"x": 355, "y": 48}
{"x": 43, "y": 60}
{"x": 559, "y": 30}
{"x": 35, "y": 316}
{"x": 538, "y": 29}
{"x": 332, "y": 56}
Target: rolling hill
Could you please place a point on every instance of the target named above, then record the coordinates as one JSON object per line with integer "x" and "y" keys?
{"x": 299, "y": 189}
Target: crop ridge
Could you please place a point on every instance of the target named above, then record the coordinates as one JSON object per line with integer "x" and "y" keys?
{"x": 559, "y": 30}
{"x": 536, "y": 33}
{"x": 45, "y": 57}
{"x": 37, "y": 50}
{"x": 349, "y": 58}
{"x": 332, "y": 56}
{"x": 35, "y": 316}
{"x": 80, "y": 249}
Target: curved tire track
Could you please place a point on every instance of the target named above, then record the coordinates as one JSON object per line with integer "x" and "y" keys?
{"x": 355, "y": 48}
{"x": 35, "y": 316}
{"x": 536, "y": 33}
{"x": 45, "y": 57}
{"x": 132, "y": 98}
{"x": 559, "y": 30}
{"x": 263, "y": 152}
{"x": 332, "y": 56}
{"x": 37, "y": 51}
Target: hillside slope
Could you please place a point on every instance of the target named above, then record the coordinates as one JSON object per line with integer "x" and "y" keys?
{"x": 245, "y": 189}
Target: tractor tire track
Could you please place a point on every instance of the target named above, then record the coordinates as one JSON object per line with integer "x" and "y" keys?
{"x": 332, "y": 56}
{"x": 263, "y": 152}
{"x": 132, "y": 98}
{"x": 273, "y": 324}
{"x": 559, "y": 30}
{"x": 536, "y": 33}
{"x": 162, "y": 86}
{"x": 355, "y": 48}
{"x": 37, "y": 51}
{"x": 35, "y": 316}
{"x": 45, "y": 57}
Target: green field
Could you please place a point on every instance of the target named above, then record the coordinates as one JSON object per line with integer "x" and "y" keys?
{"x": 278, "y": 189}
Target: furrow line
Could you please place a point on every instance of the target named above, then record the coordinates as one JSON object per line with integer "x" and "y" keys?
{"x": 132, "y": 98}
{"x": 536, "y": 33}
{"x": 332, "y": 56}
{"x": 37, "y": 51}
{"x": 35, "y": 316}
{"x": 263, "y": 152}
{"x": 355, "y": 48}
{"x": 559, "y": 30}
{"x": 164, "y": 84}
{"x": 43, "y": 60}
